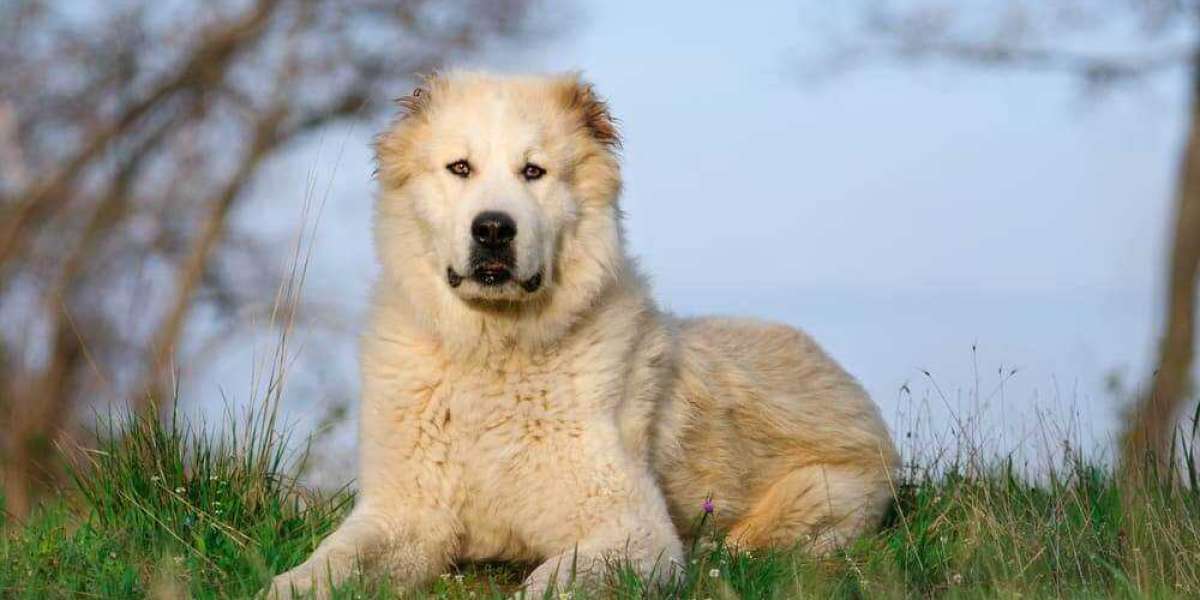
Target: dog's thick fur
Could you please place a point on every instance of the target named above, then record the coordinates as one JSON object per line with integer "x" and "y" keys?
{"x": 574, "y": 423}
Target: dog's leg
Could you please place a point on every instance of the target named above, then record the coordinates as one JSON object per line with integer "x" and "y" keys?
{"x": 821, "y": 506}
{"x": 362, "y": 535}
{"x": 402, "y": 522}
{"x": 412, "y": 548}
{"x": 625, "y": 523}
{"x": 657, "y": 560}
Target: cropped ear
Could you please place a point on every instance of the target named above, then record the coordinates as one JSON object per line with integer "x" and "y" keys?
{"x": 580, "y": 99}
{"x": 413, "y": 103}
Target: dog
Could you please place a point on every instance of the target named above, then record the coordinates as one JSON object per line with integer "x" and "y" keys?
{"x": 523, "y": 397}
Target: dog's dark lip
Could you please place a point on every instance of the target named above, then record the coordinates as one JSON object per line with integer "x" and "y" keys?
{"x": 532, "y": 284}
{"x": 493, "y": 275}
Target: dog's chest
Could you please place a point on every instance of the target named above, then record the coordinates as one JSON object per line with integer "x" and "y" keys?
{"x": 510, "y": 431}
{"x": 496, "y": 415}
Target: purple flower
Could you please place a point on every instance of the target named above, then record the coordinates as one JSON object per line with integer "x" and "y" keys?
{"x": 708, "y": 506}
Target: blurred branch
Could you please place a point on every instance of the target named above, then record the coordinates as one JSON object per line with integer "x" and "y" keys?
{"x": 162, "y": 348}
{"x": 1095, "y": 68}
{"x": 1043, "y": 36}
{"x": 205, "y": 65}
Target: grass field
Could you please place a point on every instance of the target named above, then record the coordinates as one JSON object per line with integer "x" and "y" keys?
{"x": 161, "y": 512}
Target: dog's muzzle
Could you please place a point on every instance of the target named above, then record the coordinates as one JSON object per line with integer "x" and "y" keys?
{"x": 492, "y": 261}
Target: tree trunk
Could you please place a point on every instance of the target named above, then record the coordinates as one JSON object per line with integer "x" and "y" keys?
{"x": 35, "y": 423}
{"x": 1148, "y": 439}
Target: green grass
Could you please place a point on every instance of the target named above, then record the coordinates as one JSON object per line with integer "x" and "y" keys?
{"x": 161, "y": 511}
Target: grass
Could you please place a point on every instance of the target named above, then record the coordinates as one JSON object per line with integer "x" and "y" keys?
{"x": 159, "y": 510}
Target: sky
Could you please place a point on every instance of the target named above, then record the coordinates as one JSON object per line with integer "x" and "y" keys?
{"x": 964, "y": 242}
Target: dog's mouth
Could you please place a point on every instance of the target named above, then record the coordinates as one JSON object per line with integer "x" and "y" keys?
{"x": 492, "y": 270}
{"x": 493, "y": 274}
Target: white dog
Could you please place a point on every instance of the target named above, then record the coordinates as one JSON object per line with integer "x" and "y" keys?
{"x": 523, "y": 397}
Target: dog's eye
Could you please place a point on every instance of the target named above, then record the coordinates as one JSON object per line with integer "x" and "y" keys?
{"x": 461, "y": 168}
{"x": 532, "y": 172}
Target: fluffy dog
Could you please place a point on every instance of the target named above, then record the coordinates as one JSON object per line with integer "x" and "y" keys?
{"x": 524, "y": 398}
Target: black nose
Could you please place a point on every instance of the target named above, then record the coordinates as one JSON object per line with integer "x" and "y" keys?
{"x": 493, "y": 229}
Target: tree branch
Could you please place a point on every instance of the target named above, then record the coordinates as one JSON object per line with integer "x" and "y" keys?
{"x": 266, "y": 137}
{"x": 1091, "y": 67}
{"x": 206, "y": 63}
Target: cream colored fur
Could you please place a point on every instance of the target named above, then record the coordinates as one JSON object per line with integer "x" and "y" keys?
{"x": 577, "y": 423}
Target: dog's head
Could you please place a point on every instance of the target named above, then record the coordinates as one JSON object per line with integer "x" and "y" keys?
{"x": 490, "y": 182}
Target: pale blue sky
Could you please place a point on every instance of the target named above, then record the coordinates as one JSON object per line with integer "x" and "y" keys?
{"x": 900, "y": 215}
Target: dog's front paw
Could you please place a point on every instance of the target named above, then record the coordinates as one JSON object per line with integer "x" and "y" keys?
{"x": 534, "y": 587}
{"x": 301, "y": 582}
{"x": 549, "y": 575}
{"x": 558, "y": 575}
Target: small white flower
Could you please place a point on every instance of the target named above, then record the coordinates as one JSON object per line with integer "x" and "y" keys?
{"x": 458, "y": 578}
{"x": 715, "y": 573}
{"x": 112, "y": 555}
{"x": 179, "y": 490}
{"x": 445, "y": 576}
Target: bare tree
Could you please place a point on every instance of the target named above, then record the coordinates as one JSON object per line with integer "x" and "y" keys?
{"x": 1061, "y": 36}
{"x": 129, "y": 134}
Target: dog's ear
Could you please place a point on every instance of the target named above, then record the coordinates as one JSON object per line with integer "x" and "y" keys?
{"x": 580, "y": 100}
{"x": 392, "y": 145}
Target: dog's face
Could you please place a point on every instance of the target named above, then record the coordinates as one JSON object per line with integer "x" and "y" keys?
{"x": 496, "y": 172}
